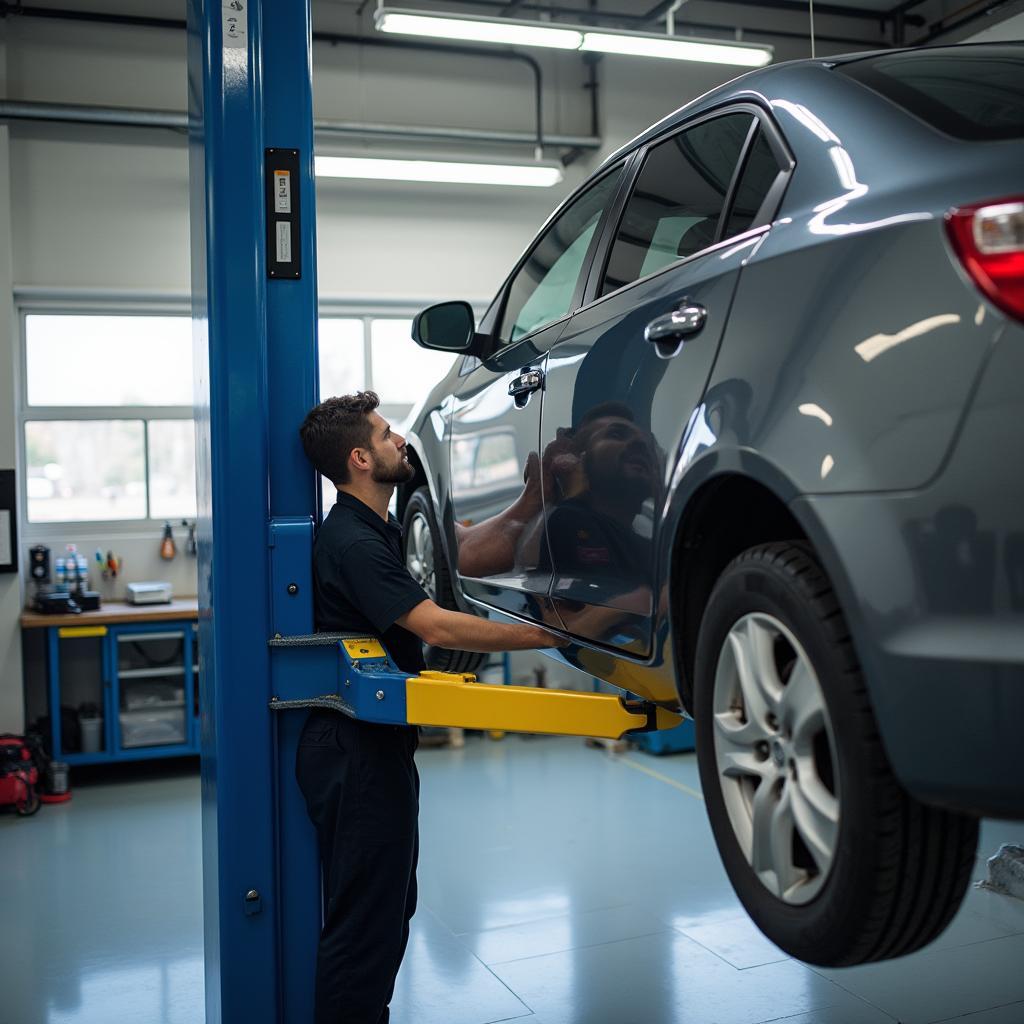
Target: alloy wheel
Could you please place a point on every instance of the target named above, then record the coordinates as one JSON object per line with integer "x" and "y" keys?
{"x": 776, "y": 758}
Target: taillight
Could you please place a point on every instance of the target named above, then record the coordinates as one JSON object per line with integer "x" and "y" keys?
{"x": 989, "y": 239}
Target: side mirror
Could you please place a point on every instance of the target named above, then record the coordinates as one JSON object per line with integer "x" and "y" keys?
{"x": 446, "y": 327}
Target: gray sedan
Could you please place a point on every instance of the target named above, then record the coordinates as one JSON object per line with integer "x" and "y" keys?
{"x": 745, "y": 422}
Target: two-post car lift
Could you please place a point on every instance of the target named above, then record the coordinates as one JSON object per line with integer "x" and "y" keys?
{"x": 254, "y": 317}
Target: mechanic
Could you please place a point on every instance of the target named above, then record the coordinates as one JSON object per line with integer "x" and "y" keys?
{"x": 358, "y": 778}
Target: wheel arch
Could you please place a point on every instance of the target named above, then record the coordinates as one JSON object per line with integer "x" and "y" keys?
{"x": 722, "y": 518}
{"x": 423, "y": 477}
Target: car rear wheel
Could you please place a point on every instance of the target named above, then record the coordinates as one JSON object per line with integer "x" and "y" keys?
{"x": 833, "y": 860}
{"x": 424, "y": 558}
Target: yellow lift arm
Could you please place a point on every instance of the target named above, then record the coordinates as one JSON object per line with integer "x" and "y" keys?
{"x": 371, "y": 687}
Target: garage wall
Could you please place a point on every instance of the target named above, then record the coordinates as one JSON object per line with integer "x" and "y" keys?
{"x": 101, "y": 212}
{"x": 10, "y": 590}
{"x": 1010, "y": 30}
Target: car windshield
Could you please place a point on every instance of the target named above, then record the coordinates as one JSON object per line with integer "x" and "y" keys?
{"x": 974, "y": 93}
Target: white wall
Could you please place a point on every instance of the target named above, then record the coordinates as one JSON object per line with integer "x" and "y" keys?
{"x": 11, "y": 705}
{"x": 1011, "y": 30}
{"x": 100, "y": 211}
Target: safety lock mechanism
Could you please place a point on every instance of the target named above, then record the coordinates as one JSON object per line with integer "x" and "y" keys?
{"x": 253, "y": 903}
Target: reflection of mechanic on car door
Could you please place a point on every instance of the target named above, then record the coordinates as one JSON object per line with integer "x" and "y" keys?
{"x": 594, "y": 480}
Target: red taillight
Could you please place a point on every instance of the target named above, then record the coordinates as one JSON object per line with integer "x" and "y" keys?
{"x": 989, "y": 239}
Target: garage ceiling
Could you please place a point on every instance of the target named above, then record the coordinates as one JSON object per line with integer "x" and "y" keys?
{"x": 852, "y": 24}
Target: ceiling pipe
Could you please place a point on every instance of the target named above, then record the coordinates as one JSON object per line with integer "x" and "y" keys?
{"x": 627, "y": 20}
{"x": 9, "y": 9}
{"x": 634, "y": 21}
{"x": 73, "y": 113}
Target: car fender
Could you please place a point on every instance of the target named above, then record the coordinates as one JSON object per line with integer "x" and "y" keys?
{"x": 695, "y": 478}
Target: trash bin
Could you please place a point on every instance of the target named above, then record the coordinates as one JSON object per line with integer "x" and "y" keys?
{"x": 91, "y": 723}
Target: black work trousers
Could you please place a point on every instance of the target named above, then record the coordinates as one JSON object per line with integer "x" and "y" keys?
{"x": 362, "y": 791}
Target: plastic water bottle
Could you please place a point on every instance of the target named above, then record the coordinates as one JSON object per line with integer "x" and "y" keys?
{"x": 71, "y": 566}
{"x": 58, "y": 572}
{"x": 83, "y": 573}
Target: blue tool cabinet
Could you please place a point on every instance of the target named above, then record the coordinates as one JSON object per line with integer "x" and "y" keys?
{"x": 140, "y": 674}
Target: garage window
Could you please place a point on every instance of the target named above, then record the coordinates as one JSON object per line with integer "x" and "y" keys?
{"x": 106, "y": 418}
{"x": 376, "y": 353}
{"x": 106, "y": 415}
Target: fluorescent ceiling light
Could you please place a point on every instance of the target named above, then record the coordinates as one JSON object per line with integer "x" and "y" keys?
{"x": 528, "y": 175}
{"x": 676, "y": 48}
{"x": 477, "y": 30}
{"x": 510, "y": 32}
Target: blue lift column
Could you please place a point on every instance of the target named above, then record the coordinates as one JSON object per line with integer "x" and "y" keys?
{"x": 254, "y": 317}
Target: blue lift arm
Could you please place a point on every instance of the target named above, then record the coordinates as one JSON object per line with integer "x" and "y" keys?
{"x": 353, "y": 674}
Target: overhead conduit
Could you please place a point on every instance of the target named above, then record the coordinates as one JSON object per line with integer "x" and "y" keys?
{"x": 25, "y": 110}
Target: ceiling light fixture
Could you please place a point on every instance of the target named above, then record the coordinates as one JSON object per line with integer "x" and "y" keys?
{"x": 374, "y": 169}
{"x": 510, "y": 32}
{"x": 476, "y": 30}
{"x": 634, "y": 44}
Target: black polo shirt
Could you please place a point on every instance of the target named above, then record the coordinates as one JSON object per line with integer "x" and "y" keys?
{"x": 360, "y": 582}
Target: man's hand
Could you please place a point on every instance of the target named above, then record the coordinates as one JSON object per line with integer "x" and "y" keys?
{"x": 440, "y": 627}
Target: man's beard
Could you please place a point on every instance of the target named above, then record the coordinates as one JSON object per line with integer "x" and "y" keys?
{"x": 396, "y": 474}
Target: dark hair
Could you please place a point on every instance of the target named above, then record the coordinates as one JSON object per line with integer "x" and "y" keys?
{"x": 333, "y": 428}
{"x": 606, "y": 410}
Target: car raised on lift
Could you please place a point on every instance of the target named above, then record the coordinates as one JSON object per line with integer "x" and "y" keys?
{"x": 745, "y": 423}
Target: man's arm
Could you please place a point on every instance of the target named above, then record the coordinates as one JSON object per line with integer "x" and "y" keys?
{"x": 440, "y": 627}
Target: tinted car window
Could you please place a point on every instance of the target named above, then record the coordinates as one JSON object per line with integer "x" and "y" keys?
{"x": 543, "y": 288}
{"x": 760, "y": 169}
{"x": 674, "y": 209}
{"x": 976, "y": 93}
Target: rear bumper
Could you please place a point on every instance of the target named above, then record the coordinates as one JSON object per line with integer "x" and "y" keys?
{"x": 932, "y": 582}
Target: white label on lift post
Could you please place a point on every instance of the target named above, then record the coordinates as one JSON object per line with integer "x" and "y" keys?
{"x": 235, "y": 23}
{"x": 6, "y": 555}
{"x": 284, "y": 242}
{"x": 282, "y": 192}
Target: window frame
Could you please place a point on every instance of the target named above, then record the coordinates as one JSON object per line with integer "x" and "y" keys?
{"x": 25, "y": 413}
{"x": 500, "y": 304}
{"x": 367, "y": 312}
{"x": 766, "y": 214}
{"x": 30, "y": 304}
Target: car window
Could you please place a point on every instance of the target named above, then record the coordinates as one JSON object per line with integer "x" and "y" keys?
{"x": 976, "y": 93}
{"x": 678, "y": 198}
{"x": 760, "y": 169}
{"x": 543, "y": 288}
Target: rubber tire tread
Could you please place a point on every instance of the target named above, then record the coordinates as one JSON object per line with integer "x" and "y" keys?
{"x": 441, "y": 658}
{"x": 924, "y": 855}
{"x": 31, "y": 803}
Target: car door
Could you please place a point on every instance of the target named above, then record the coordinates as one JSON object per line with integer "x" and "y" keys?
{"x": 495, "y": 414}
{"x": 625, "y": 375}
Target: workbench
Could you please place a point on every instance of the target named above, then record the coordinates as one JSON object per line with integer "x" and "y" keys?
{"x": 132, "y": 670}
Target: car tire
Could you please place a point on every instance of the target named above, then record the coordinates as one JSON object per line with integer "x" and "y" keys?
{"x": 835, "y": 862}
{"x": 424, "y": 558}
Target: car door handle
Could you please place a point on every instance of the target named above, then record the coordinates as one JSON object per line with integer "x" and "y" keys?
{"x": 527, "y": 381}
{"x": 678, "y": 325}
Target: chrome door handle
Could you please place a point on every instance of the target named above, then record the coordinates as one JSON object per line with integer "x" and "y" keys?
{"x": 527, "y": 381}
{"x": 676, "y": 326}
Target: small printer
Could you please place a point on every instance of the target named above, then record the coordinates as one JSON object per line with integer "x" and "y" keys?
{"x": 149, "y": 593}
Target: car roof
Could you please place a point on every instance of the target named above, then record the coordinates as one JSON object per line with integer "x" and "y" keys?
{"x": 768, "y": 81}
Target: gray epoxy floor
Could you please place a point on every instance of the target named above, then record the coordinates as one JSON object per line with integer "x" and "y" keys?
{"x": 558, "y": 884}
